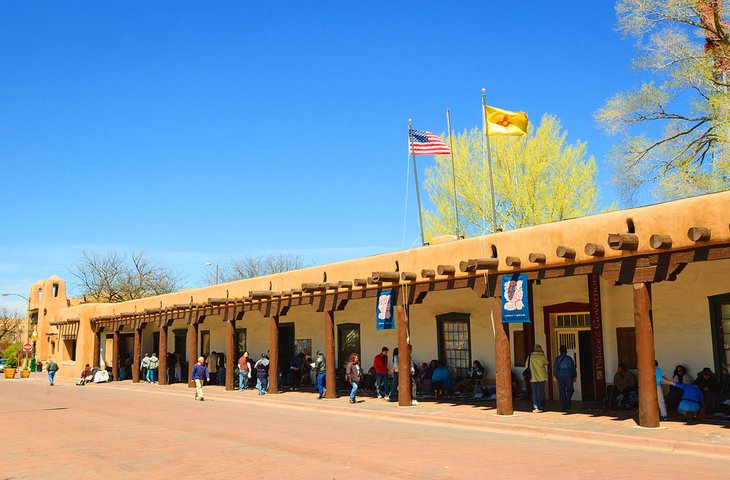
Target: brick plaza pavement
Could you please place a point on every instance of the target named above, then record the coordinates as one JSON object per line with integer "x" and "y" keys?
{"x": 122, "y": 430}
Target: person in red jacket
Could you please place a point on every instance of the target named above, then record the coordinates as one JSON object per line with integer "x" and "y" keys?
{"x": 381, "y": 372}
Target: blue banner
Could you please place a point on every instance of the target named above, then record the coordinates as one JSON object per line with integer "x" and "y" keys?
{"x": 384, "y": 311}
{"x": 514, "y": 299}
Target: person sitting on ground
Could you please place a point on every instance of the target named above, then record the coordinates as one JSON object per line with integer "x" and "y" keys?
{"x": 674, "y": 395}
{"x": 423, "y": 380}
{"x": 692, "y": 402}
{"x": 87, "y": 374}
{"x": 710, "y": 388}
{"x": 441, "y": 379}
{"x": 477, "y": 371}
{"x": 624, "y": 382}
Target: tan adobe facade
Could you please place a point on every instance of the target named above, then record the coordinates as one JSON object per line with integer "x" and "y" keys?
{"x": 585, "y": 274}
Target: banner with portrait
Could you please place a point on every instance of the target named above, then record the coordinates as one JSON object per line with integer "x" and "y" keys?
{"x": 514, "y": 299}
{"x": 384, "y": 311}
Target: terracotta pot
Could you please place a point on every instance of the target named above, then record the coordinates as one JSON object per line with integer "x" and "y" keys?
{"x": 10, "y": 372}
{"x": 25, "y": 374}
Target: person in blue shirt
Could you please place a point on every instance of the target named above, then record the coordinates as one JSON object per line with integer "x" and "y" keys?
{"x": 565, "y": 375}
{"x": 200, "y": 373}
{"x": 692, "y": 401}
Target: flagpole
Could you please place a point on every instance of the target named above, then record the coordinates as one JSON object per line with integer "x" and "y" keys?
{"x": 453, "y": 172}
{"x": 489, "y": 161}
{"x": 415, "y": 175}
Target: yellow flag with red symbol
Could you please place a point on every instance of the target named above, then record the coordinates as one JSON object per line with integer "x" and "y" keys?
{"x": 504, "y": 122}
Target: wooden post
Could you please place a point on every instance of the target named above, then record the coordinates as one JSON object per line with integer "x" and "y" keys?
{"x": 115, "y": 355}
{"x": 162, "y": 355}
{"x": 97, "y": 349}
{"x": 192, "y": 352}
{"x": 137, "y": 354}
{"x": 503, "y": 365}
{"x": 230, "y": 354}
{"x": 329, "y": 354}
{"x": 648, "y": 404}
{"x": 404, "y": 359}
{"x": 274, "y": 354}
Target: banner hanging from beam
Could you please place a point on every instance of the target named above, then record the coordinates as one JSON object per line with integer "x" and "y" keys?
{"x": 514, "y": 299}
{"x": 384, "y": 311}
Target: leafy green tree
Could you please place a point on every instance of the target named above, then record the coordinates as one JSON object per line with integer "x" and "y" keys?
{"x": 539, "y": 178}
{"x": 675, "y": 129}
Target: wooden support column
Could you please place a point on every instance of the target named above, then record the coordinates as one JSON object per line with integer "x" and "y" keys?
{"x": 162, "y": 355}
{"x": 404, "y": 358}
{"x": 97, "y": 349}
{"x": 329, "y": 354}
{"x": 230, "y": 353}
{"x": 274, "y": 354}
{"x": 192, "y": 352}
{"x": 503, "y": 365}
{"x": 648, "y": 402}
{"x": 137, "y": 354}
{"x": 115, "y": 355}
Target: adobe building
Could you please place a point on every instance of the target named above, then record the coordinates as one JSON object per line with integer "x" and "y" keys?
{"x": 626, "y": 286}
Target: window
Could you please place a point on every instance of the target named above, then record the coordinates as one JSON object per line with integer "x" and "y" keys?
{"x": 455, "y": 342}
{"x": 40, "y": 293}
{"x": 626, "y": 346}
{"x": 55, "y": 290}
{"x": 70, "y": 348}
{"x": 573, "y": 320}
{"x": 724, "y": 331}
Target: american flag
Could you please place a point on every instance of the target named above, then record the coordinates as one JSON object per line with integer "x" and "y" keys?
{"x": 427, "y": 143}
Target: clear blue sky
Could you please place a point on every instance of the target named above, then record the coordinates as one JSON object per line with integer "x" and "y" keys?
{"x": 204, "y": 131}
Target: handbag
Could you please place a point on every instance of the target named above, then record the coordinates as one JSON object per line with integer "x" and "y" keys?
{"x": 526, "y": 373}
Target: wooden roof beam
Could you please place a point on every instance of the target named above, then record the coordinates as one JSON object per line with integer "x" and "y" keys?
{"x": 447, "y": 270}
{"x": 699, "y": 234}
{"x": 594, "y": 249}
{"x": 660, "y": 241}
{"x": 381, "y": 277}
{"x": 537, "y": 258}
{"x": 514, "y": 262}
{"x": 623, "y": 241}
{"x": 409, "y": 276}
{"x": 475, "y": 264}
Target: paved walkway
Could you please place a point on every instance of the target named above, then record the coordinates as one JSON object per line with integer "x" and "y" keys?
{"x": 595, "y": 427}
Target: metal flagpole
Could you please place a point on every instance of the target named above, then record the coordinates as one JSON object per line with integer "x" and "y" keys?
{"x": 453, "y": 172}
{"x": 415, "y": 175}
{"x": 489, "y": 161}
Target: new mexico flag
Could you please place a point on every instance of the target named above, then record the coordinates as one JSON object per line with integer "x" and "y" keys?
{"x": 503, "y": 122}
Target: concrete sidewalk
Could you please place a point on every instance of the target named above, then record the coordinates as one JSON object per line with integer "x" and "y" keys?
{"x": 596, "y": 427}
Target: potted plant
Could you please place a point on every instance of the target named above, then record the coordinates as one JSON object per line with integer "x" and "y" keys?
{"x": 11, "y": 354}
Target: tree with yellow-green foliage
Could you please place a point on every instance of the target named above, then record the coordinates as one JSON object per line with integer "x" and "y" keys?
{"x": 538, "y": 178}
{"x": 675, "y": 131}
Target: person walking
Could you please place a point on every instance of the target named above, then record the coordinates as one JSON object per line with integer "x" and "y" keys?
{"x": 538, "y": 370}
{"x": 152, "y": 371}
{"x": 145, "y": 366}
{"x": 320, "y": 367}
{"x": 262, "y": 374}
{"x": 200, "y": 373}
{"x": 51, "y": 368}
{"x": 243, "y": 371}
{"x": 565, "y": 374}
{"x": 352, "y": 374}
{"x": 380, "y": 363}
{"x": 295, "y": 371}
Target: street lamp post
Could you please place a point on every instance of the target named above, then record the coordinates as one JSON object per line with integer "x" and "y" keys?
{"x": 27, "y": 315}
{"x": 34, "y": 338}
{"x": 209, "y": 264}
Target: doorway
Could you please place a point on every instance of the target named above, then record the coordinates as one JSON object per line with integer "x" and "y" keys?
{"x": 286, "y": 348}
{"x": 348, "y": 341}
{"x": 580, "y": 348}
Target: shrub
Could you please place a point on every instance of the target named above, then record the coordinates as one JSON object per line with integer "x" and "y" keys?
{"x": 11, "y": 354}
